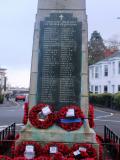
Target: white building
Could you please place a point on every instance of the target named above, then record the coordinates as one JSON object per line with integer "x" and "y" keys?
{"x": 104, "y": 76}
{"x": 2, "y": 80}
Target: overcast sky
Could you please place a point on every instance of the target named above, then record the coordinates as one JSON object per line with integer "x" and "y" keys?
{"x": 17, "y": 19}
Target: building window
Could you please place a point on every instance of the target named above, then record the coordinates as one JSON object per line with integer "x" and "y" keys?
{"x": 113, "y": 66}
{"x": 106, "y": 70}
{"x": 101, "y": 71}
{"x": 118, "y": 67}
{"x": 113, "y": 88}
{"x": 118, "y": 88}
{"x": 92, "y": 88}
{"x": 92, "y": 72}
{"x": 105, "y": 89}
{"x": 96, "y": 72}
{"x": 96, "y": 89}
{"x": 99, "y": 89}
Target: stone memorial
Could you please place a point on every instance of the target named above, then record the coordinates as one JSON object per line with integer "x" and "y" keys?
{"x": 59, "y": 70}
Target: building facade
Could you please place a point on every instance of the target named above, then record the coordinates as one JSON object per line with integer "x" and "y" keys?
{"x": 104, "y": 76}
{"x": 2, "y": 80}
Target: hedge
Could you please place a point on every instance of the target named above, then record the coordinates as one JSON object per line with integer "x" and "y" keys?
{"x": 116, "y": 101}
{"x": 1, "y": 99}
{"x": 106, "y": 100}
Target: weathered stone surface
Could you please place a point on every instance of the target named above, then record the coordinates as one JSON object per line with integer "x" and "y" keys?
{"x": 57, "y": 63}
{"x": 46, "y": 8}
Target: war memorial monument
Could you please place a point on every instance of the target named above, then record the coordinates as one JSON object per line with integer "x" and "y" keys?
{"x": 59, "y": 75}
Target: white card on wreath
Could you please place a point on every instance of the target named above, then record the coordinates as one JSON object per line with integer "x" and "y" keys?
{"x": 76, "y": 153}
{"x": 53, "y": 149}
{"x": 82, "y": 149}
{"x": 70, "y": 113}
{"x": 29, "y": 148}
{"x": 46, "y": 110}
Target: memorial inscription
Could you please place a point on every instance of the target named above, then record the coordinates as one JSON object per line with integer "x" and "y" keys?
{"x": 59, "y": 77}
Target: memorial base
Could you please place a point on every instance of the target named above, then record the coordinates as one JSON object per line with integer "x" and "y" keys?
{"x": 57, "y": 134}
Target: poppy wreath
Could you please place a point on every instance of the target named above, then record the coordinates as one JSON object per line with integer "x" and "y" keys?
{"x": 91, "y": 116}
{"x": 6, "y": 143}
{"x": 86, "y": 151}
{"x": 4, "y": 158}
{"x": 25, "y": 118}
{"x": 13, "y": 145}
{"x": 19, "y": 158}
{"x": 41, "y": 123}
{"x": 20, "y": 149}
{"x": 100, "y": 140}
{"x": 61, "y": 148}
{"x": 70, "y": 124}
{"x": 43, "y": 158}
{"x": 57, "y": 156}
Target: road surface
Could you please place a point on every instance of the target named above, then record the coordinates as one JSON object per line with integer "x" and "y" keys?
{"x": 14, "y": 113}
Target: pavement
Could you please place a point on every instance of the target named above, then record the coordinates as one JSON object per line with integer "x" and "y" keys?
{"x": 12, "y": 111}
{"x": 9, "y": 103}
{"x": 108, "y": 110}
{"x": 107, "y": 117}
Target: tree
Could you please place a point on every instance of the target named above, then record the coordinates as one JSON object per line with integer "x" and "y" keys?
{"x": 96, "y": 48}
{"x": 113, "y": 44}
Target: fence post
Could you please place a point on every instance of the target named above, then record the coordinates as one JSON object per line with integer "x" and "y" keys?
{"x": 0, "y": 136}
{"x": 118, "y": 155}
{"x": 105, "y": 133}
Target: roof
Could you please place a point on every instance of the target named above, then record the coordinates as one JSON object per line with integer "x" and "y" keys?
{"x": 3, "y": 69}
{"x": 115, "y": 55}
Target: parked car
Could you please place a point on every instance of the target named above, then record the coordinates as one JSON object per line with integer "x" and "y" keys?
{"x": 20, "y": 97}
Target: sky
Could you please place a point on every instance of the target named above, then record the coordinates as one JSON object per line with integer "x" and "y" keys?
{"x": 17, "y": 19}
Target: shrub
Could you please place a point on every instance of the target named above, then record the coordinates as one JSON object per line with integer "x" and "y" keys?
{"x": 104, "y": 99}
{"x": 117, "y": 100}
{"x": 1, "y": 99}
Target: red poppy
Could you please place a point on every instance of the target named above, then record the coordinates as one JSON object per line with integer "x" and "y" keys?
{"x": 61, "y": 148}
{"x": 20, "y": 149}
{"x": 4, "y": 158}
{"x": 25, "y": 118}
{"x": 86, "y": 151}
{"x": 19, "y": 158}
{"x": 72, "y": 123}
{"x": 41, "y": 123}
{"x": 91, "y": 116}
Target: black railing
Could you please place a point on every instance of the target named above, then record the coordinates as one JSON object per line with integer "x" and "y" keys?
{"x": 7, "y": 136}
{"x": 112, "y": 142}
{"x": 10, "y": 130}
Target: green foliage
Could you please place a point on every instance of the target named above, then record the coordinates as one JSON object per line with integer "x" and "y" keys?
{"x": 1, "y": 99}
{"x": 104, "y": 100}
{"x": 96, "y": 48}
{"x": 117, "y": 100}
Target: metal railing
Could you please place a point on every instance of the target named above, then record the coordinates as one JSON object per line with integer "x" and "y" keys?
{"x": 7, "y": 136}
{"x": 112, "y": 142}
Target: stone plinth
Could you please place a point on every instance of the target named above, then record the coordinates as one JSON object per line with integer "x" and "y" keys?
{"x": 59, "y": 70}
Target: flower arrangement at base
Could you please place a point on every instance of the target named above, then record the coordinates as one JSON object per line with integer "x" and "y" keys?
{"x": 83, "y": 151}
{"x": 20, "y": 158}
{"x": 13, "y": 145}
{"x": 42, "y": 116}
{"x": 91, "y": 116}
{"x": 70, "y": 118}
{"x": 25, "y": 118}
{"x": 100, "y": 140}
{"x": 4, "y": 158}
{"x": 20, "y": 149}
{"x": 53, "y": 148}
{"x": 43, "y": 158}
{"x": 56, "y": 156}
